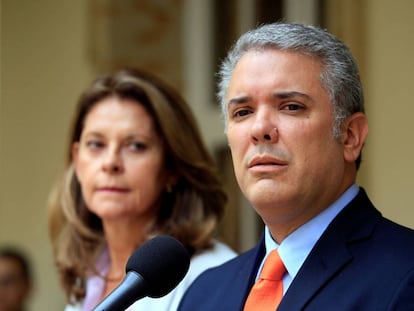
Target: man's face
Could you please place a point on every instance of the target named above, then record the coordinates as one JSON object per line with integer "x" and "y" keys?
{"x": 14, "y": 288}
{"x": 280, "y": 132}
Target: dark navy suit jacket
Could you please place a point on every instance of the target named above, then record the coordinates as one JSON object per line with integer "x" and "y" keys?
{"x": 361, "y": 262}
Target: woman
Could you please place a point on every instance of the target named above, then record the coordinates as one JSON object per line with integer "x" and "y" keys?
{"x": 136, "y": 168}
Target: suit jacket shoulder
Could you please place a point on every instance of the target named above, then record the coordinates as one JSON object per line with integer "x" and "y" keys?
{"x": 362, "y": 261}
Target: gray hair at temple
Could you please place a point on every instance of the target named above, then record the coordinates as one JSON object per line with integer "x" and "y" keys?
{"x": 339, "y": 76}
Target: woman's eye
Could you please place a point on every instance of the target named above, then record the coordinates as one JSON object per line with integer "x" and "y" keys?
{"x": 138, "y": 146}
{"x": 94, "y": 144}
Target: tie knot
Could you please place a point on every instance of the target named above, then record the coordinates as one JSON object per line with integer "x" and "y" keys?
{"x": 273, "y": 268}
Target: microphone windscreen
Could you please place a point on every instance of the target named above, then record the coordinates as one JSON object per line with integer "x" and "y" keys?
{"x": 162, "y": 261}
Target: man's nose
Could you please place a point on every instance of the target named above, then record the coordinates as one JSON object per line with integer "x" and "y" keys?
{"x": 264, "y": 129}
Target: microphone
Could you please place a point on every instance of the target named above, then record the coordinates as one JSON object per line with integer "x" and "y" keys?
{"x": 153, "y": 270}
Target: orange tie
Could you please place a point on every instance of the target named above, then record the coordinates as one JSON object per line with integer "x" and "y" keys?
{"x": 267, "y": 292}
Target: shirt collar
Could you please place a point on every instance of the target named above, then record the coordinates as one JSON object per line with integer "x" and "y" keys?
{"x": 296, "y": 247}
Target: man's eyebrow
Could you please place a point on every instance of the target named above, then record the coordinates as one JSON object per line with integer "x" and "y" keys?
{"x": 291, "y": 94}
{"x": 238, "y": 100}
{"x": 278, "y": 95}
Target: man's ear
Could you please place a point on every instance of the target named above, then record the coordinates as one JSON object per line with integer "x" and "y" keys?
{"x": 355, "y": 131}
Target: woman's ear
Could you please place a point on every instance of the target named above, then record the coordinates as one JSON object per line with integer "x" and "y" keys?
{"x": 75, "y": 151}
{"x": 171, "y": 181}
{"x": 355, "y": 131}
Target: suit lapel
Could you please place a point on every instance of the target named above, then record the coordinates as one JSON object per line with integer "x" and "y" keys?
{"x": 244, "y": 279}
{"x": 317, "y": 269}
{"x": 330, "y": 255}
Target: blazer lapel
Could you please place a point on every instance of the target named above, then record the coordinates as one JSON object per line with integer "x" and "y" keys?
{"x": 330, "y": 255}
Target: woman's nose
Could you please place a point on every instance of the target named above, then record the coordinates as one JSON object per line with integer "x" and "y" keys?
{"x": 112, "y": 162}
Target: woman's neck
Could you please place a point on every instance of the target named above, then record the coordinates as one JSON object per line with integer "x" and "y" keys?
{"x": 122, "y": 238}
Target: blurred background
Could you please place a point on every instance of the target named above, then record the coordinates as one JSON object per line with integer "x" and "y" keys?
{"x": 50, "y": 50}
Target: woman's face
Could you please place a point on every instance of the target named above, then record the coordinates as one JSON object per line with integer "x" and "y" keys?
{"x": 119, "y": 161}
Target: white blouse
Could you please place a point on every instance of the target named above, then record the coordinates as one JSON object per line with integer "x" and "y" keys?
{"x": 215, "y": 256}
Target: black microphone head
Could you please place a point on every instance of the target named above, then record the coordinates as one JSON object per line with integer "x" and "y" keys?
{"x": 162, "y": 261}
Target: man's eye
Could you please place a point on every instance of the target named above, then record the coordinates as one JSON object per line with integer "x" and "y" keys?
{"x": 241, "y": 113}
{"x": 292, "y": 107}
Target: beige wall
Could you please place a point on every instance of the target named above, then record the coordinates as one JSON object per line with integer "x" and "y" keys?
{"x": 380, "y": 33}
{"x": 44, "y": 65}
{"x": 390, "y": 105}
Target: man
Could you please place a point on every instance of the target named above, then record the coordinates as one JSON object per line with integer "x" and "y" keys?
{"x": 15, "y": 280}
{"x": 293, "y": 104}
